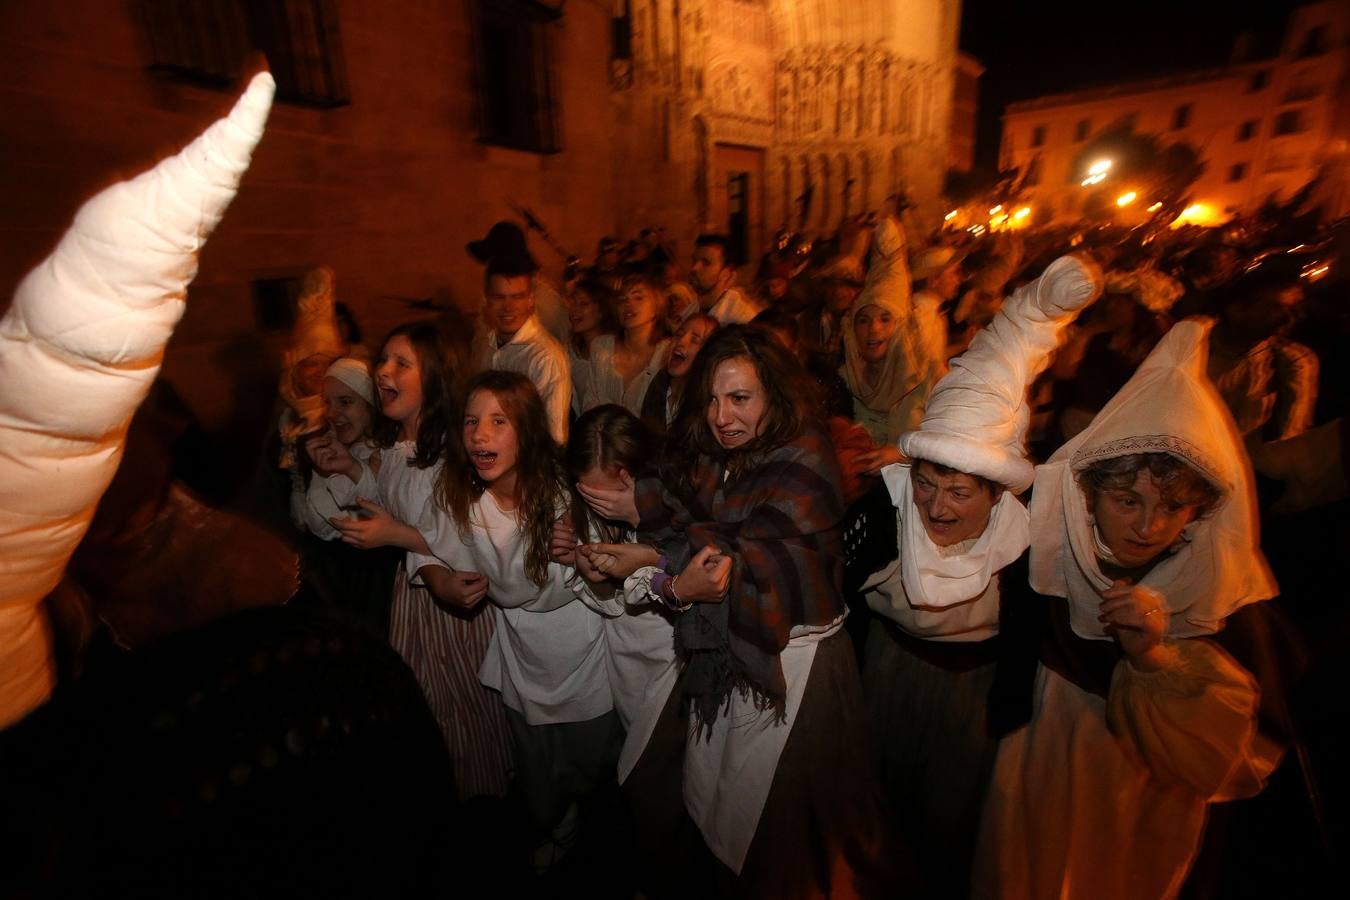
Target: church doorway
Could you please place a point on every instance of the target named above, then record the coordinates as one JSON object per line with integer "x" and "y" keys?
{"x": 738, "y": 199}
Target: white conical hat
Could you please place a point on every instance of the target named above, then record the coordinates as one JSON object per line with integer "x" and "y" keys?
{"x": 1168, "y": 406}
{"x": 888, "y": 287}
{"x": 79, "y": 347}
{"x": 977, "y": 415}
{"x": 316, "y": 328}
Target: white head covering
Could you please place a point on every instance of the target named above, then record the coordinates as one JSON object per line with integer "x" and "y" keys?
{"x": 355, "y": 374}
{"x": 316, "y": 328}
{"x": 977, "y": 415}
{"x": 1169, "y": 406}
{"x": 976, "y": 423}
{"x": 894, "y": 402}
{"x": 80, "y": 345}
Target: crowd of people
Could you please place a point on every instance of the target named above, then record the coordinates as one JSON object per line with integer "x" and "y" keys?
{"x": 921, "y": 568}
{"x": 625, "y": 555}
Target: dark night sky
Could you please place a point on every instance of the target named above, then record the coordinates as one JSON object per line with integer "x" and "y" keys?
{"x": 1035, "y": 48}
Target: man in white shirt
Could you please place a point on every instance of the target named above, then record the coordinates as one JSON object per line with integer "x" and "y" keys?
{"x": 506, "y": 239}
{"x": 711, "y": 277}
{"x": 515, "y": 341}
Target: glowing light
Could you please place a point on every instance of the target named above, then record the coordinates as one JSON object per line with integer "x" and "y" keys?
{"x": 976, "y": 229}
{"x": 996, "y": 210}
{"x": 1155, "y": 207}
{"x": 1315, "y": 272}
{"x": 1093, "y": 179}
{"x": 949, "y": 216}
{"x": 1198, "y": 214}
{"x": 1022, "y": 213}
{"x": 1101, "y": 167}
{"x": 1126, "y": 198}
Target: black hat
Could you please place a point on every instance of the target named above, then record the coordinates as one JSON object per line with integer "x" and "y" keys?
{"x": 505, "y": 239}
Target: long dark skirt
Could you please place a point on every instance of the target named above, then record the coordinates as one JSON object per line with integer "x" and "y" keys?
{"x": 445, "y": 651}
{"x": 929, "y": 710}
{"x": 823, "y": 831}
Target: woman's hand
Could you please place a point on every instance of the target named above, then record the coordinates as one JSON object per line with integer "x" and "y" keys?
{"x": 705, "y": 579}
{"x": 872, "y": 462}
{"x": 459, "y": 591}
{"x": 585, "y": 566}
{"x": 618, "y": 560}
{"x": 617, "y": 505}
{"x": 562, "y": 543}
{"x": 331, "y": 457}
{"x": 373, "y": 527}
{"x": 1136, "y": 616}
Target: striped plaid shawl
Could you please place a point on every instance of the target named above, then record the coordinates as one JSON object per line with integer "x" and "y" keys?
{"x": 780, "y": 523}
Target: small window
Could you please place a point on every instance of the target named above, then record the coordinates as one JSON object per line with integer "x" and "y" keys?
{"x": 1130, "y": 121}
{"x": 209, "y": 41}
{"x": 1246, "y": 131}
{"x": 1081, "y": 129}
{"x": 1237, "y": 172}
{"x": 1258, "y": 81}
{"x": 1289, "y": 122}
{"x": 1314, "y": 42}
{"x": 515, "y": 78}
{"x": 274, "y": 302}
{"x": 1181, "y": 116}
{"x": 1033, "y": 172}
{"x": 1038, "y": 136}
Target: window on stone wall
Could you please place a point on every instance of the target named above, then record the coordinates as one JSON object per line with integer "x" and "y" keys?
{"x": 1289, "y": 122}
{"x": 1181, "y": 116}
{"x": 209, "y": 41}
{"x": 1237, "y": 172}
{"x": 1258, "y": 81}
{"x": 1033, "y": 172}
{"x": 1081, "y": 129}
{"x": 274, "y": 302}
{"x": 1246, "y": 131}
{"x": 516, "y": 105}
{"x": 1315, "y": 42}
{"x": 1038, "y": 136}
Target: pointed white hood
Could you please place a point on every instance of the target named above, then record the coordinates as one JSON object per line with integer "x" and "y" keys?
{"x": 1168, "y": 406}
{"x": 79, "y": 347}
{"x": 977, "y": 415}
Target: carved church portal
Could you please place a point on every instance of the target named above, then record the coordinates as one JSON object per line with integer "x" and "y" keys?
{"x": 738, "y": 198}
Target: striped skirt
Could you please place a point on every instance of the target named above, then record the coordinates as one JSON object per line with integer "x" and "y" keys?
{"x": 445, "y": 650}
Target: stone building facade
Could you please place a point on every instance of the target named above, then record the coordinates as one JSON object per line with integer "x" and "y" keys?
{"x": 785, "y": 113}
{"x": 410, "y": 127}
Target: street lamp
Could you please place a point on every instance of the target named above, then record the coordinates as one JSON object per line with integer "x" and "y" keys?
{"x": 1126, "y": 198}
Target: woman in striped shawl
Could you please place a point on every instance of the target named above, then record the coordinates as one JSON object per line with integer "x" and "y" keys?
{"x": 745, "y": 512}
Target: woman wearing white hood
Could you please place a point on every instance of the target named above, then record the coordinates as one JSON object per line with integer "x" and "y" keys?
{"x": 79, "y": 347}
{"x": 1144, "y": 548}
{"x": 887, "y": 363}
{"x": 930, "y": 656}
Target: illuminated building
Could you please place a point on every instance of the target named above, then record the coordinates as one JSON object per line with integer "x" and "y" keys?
{"x": 404, "y": 130}
{"x": 1262, "y": 127}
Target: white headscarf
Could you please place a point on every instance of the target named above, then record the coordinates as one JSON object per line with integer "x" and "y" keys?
{"x": 1169, "y": 406}
{"x": 894, "y": 402}
{"x": 933, "y": 580}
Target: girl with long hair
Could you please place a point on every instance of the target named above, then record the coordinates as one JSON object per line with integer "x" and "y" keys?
{"x": 662, "y": 399}
{"x": 418, "y": 397}
{"x": 767, "y": 725}
{"x": 624, "y": 365}
{"x": 501, "y": 493}
{"x": 607, "y": 448}
{"x": 590, "y": 315}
